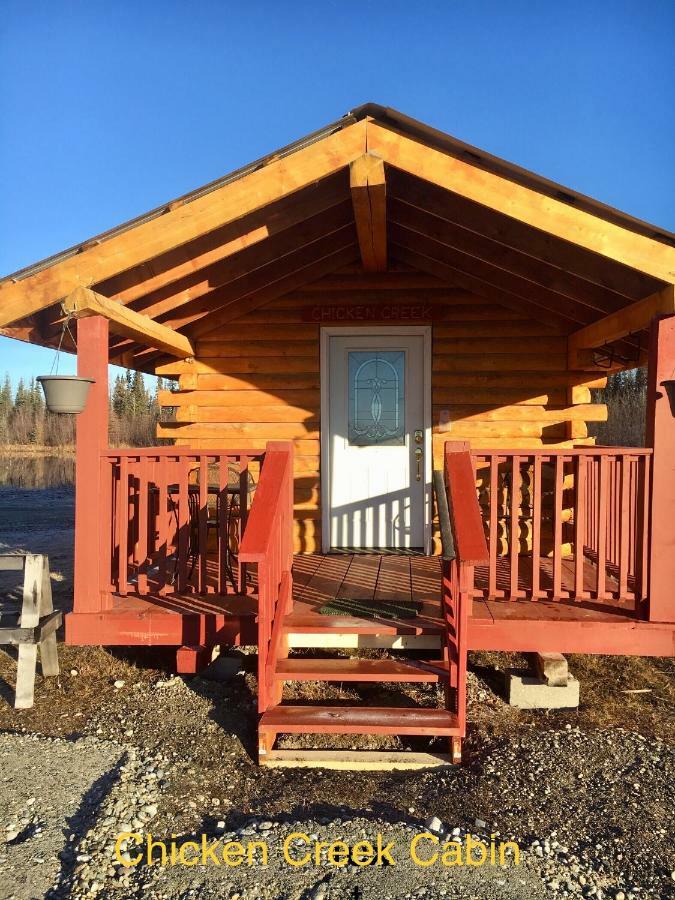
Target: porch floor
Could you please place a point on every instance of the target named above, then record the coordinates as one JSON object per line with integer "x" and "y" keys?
{"x": 565, "y": 626}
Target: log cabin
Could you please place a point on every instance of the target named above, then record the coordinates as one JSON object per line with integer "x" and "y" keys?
{"x": 384, "y": 343}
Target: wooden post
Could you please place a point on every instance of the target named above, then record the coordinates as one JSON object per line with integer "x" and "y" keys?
{"x": 91, "y": 440}
{"x": 661, "y": 436}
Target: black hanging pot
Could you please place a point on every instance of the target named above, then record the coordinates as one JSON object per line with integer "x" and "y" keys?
{"x": 669, "y": 387}
{"x": 65, "y": 393}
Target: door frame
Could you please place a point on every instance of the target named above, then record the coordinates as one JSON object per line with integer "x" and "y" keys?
{"x": 326, "y": 333}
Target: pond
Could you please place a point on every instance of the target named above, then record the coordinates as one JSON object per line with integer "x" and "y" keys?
{"x": 37, "y": 515}
{"x": 37, "y": 472}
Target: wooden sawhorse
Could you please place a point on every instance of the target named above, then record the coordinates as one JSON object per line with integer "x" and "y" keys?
{"x": 35, "y": 625}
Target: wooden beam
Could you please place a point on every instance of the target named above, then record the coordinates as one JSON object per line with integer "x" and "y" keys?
{"x": 182, "y": 223}
{"x": 228, "y": 241}
{"x": 458, "y": 278}
{"x": 625, "y": 321}
{"x": 572, "y": 261}
{"x": 261, "y": 296}
{"x": 525, "y": 265}
{"x": 368, "y": 187}
{"x": 83, "y": 302}
{"x": 524, "y": 204}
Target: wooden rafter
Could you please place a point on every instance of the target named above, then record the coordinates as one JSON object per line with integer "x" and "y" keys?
{"x": 261, "y": 227}
{"x": 256, "y": 298}
{"x": 524, "y": 204}
{"x": 83, "y": 302}
{"x": 515, "y": 262}
{"x": 573, "y": 262}
{"x": 550, "y": 302}
{"x": 488, "y": 292}
{"x": 181, "y": 224}
{"x": 626, "y": 321}
{"x": 369, "y": 189}
{"x": 191, "y": 293}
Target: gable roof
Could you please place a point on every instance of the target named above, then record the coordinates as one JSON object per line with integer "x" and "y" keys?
{"x": 436, "y": 204}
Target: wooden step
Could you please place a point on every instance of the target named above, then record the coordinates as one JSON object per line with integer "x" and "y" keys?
{"x": 316, "y": 624}
{"x": 355, "y": 760}
{"x": 336, "y": 640}
{"x": 296, "y": 669}
{"x": 359, "y": 720}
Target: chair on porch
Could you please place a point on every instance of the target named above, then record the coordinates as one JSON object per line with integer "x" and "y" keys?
{"x": 232, "y": 513}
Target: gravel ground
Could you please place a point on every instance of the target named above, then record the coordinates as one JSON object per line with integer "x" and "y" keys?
{"x": 591, "y": 811}
{"x": 118, "y": 743}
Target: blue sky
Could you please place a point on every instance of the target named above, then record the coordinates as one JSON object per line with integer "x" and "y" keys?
{"x": 108, "y": 109}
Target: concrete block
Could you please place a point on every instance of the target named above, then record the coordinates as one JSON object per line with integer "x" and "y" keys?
{"x": 526, "y": 691}
{"x": 551, "y": 668}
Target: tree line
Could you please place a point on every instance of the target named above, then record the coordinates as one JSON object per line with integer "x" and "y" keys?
{"x": 25, "y": 420}
{"x": 626, "y": 399}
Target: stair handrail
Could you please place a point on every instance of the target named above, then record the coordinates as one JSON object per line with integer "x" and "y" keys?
{"x": 268, "y": 542}
{"x": 464, "y": 547}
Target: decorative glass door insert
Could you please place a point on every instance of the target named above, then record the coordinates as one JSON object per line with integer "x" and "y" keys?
{"x": 376, "y": 398}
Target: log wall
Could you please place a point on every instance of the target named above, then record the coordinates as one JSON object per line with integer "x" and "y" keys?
{"x": 499, "y": 379}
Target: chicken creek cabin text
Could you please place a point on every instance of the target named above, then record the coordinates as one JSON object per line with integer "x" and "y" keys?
{"x": 384, "y": 343}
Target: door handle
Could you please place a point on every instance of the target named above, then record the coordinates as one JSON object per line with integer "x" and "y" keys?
{"x": 418, "y": 460}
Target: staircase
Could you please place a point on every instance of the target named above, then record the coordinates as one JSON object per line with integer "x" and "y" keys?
{"x": 282, "y": 630}
{"x": 281, "y": 718}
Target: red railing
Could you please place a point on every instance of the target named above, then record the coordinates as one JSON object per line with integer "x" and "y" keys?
{"x": 464, "y": 547}
{"x": 268, "y": 542}
{"x": 565, "y": 524}
{"x": 175, "y": 519}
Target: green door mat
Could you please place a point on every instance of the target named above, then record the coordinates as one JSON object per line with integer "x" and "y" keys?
{"x": 372, "y": 609}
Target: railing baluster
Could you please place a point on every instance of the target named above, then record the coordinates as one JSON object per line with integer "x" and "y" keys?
{"x": 536, "y": 526}
{"x": 162, "y": 524}
{"x": 557, "y": 528}
{"x": 107, "y": 531}
{"x": 602, "y": 529}
{"x": 642, "y": 528}
{"x": 223, "y": 509}
{"x": 184, "y": 524}
{"x": 142, "y": 526}
{"x": 514, "y": 532}
{"x": 123, "y": 527}
{"x": 203, "y": 522}
{"x": 580, "y": 506}
{"x": 624, "y": 525}
{"x": 493, "y": 545}
{"x": 243, "y": 516}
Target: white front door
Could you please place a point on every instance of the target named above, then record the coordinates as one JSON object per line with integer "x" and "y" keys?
{"x": 377, "y": 438}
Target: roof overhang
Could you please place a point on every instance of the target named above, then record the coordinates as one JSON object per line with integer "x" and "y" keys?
{"x": 376, "y": 187}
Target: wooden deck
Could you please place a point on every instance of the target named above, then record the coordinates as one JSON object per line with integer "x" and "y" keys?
{"x": 588, "y": 626}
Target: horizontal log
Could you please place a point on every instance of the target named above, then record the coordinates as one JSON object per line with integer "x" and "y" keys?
{"x": 239, "y": 366}
{"x": 229, "y": 433}
{"x": 229, "y": 398}
{"x": 470, "y": 312}
{"x": 207, "y": 349}
{"x": 517, "y": 362}
{"x": 301, "y": 447}
{"x": 592, "y": 412}
{"x": 236, "y": 332}
{"x": 474, "y": 396}
{"x": 249, "y": 383}
{"x": 500, "y": 346}
{"x": 223, "y": 414}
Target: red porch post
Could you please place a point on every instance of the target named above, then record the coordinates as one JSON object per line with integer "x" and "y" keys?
{"x": 661, "y": 436}
{"x": 91, "y": 439}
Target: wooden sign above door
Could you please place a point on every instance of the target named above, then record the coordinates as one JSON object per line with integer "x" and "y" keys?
{"x": 336, "y": 313}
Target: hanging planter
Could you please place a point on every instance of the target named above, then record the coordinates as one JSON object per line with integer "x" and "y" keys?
{"x": 669, "y": 387}
{"x": 65, "y": 393}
